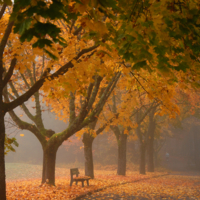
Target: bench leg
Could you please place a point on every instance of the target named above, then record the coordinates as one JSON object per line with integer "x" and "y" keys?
{"x": 82, "y": 183}
{"x": 88, "y": 182}
{"x": 71, "y": 183}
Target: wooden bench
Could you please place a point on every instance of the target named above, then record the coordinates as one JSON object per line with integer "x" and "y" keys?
{"x": 77, "y": 179}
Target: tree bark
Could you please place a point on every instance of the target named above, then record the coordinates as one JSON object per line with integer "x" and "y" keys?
{"x": 43, "y": 169}
{"x": 150, "y": 152}
{"x": 196, "y": 140}
{"x": 87, "y": 141}
{"x": 122, "y": 144}
{"x": 89, "y": 166}
{"x": 142, "y": 158}
{"x": 150, "y": 166}
{"x": 49, "y": 164}
{"x": 2, "y": 159}
{"x": 156, "y": 153}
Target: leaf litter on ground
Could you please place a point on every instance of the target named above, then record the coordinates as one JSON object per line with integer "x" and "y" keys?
{"x": 157, "y": 185}
{"x": 163, "y": 187}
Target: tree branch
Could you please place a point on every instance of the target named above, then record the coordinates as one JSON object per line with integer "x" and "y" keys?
{"x": 30, "y": 76}
{"x": 81, "y": 122}
{"x": 25, "y": 81}
{"x": 84, "y": 107}
{"x": 114, "y": 84}
{"x": 106, "y": 124}
{"x": 26, "y": 110}
{"x": 99, "y": 106}
{"x": 38, "y": 84}
{"x": 38, "y": 118}
{"x": 94, "y": 92}
{"x": 10, "y": 72}
{"x": 34, "y": 76}
{"x": 72, "y": 108}
{"x": 3, "y": 10}
{"x": 69, "y": 65}
{"x": 21, "y": 124}
{"x": 78, "y": 30}
{"x": 5, "y": 38}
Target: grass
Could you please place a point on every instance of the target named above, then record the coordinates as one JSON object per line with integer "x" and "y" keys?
{"x": 15, "y": 171}
{"x": 18, "y": 171}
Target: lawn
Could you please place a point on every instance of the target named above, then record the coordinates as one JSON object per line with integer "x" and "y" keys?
{"x": 15, "y": 171}
{"x": 24, "y": 182}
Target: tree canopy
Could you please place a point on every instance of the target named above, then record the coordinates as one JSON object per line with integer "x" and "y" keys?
{"x": 149, "y": 34}
{"x": 152, "y": 43}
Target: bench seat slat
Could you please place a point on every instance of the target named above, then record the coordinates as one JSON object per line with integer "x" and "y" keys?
{"x": 81, "y": 178}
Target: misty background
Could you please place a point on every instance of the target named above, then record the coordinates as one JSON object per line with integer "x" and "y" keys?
{"x": 182, "y": 146}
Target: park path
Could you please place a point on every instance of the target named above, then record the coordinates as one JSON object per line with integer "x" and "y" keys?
{"x": 98, "y": 194}
{"x": 105, "y": 195}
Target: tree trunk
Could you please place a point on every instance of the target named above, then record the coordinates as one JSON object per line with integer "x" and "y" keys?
{"x": 196, "y": 140}
{"x": 89, "y": 167}
{"x": 49, "y": 164}
{"x": 156, "y": 158}
{"x": 150, "y": 152}
{"x": 122, "y": 143}
{"x": 43, "y": 169}
{"x": 2, "y": 159}
{"x": 150, "y": 166}
{"x": 142, "y": 158}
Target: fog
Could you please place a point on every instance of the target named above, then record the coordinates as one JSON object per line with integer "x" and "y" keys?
{"x": 183, "y": 147}
{"x": 179, "y": 151}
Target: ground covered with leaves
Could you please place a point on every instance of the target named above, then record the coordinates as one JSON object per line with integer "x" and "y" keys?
{"x": 163, "y": 187}
{"x": 106, "y": 185}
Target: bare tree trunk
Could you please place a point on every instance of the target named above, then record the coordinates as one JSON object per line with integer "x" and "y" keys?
{"x": 2, "y": 159}
{"x": 43, "y": 169}
{"x": 89, "y": 167}
{"x": 122, "y": 144}
{"x": 156, "y": 153}
{"x": 142, "y": 158}
{"x": 150, "y": 152}
{"x": 150, "y": 166}
{"x": 87, "y": 141}
{"x": 196, "y": 140}
{"x": 49, "y": 164}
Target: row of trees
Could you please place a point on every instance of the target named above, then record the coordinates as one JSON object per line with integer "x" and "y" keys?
{"x": 77, "y": 51}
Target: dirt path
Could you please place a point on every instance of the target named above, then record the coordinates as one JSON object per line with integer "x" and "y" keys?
{"x": 185, "y": 173}
{"x": 191, "y": 177}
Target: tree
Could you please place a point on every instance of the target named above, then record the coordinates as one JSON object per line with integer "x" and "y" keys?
{"x": 36, "y": 19}
{"x": 158, "y": 25}
{"x": 150, "y": 148}
{"x": 122, "y": 109}
{"x": 131, "y": 25}
{"x": 12, "y": 60}
{"x": 87, "y": 141}
{"x": 145, "y": 136}
{"x": 121, "y": 137}
{"x": 87, "y": 111}
{"x": 88, "y": 138}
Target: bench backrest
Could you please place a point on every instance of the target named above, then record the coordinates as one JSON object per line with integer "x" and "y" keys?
{"x": 74, "y": 171}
